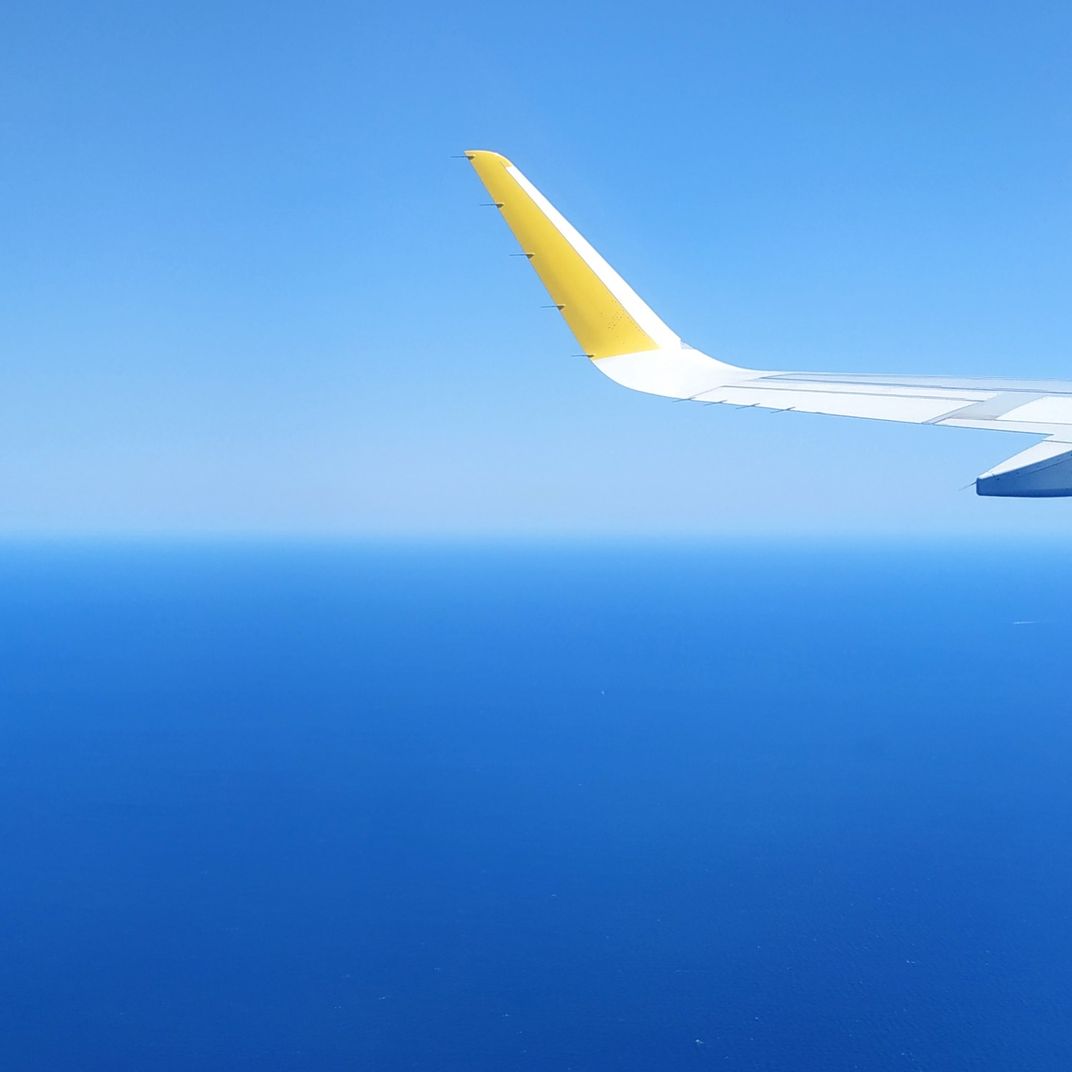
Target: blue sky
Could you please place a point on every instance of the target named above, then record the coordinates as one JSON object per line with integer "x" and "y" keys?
{"x": 247, "y": 289}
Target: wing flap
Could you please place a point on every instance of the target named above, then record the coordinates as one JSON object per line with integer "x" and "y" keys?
{"x": 880, "y": 407}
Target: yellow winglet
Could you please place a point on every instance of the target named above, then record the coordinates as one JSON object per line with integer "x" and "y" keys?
{"x": 601, "y": 309}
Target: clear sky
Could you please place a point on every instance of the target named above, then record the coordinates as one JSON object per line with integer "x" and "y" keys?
{"x": 247, "y": 289}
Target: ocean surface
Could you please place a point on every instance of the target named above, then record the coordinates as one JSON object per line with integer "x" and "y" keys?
{"x": 496, "y": 807}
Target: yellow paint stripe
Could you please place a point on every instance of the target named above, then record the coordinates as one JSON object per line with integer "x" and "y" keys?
{"x": 599, "y": 321}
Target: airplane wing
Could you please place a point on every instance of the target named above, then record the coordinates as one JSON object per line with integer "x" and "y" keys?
{"x": 626, "y": 341}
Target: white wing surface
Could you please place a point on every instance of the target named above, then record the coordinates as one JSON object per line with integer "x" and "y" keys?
{"x": 626, "y": 341}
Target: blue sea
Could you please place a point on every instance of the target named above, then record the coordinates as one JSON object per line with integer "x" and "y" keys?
{"x": 485, "y": 807}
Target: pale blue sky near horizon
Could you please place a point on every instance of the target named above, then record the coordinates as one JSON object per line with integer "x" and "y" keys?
{"x": 249, "y": 290}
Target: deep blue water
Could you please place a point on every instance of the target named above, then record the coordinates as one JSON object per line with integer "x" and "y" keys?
{"x": 494, "y": 808}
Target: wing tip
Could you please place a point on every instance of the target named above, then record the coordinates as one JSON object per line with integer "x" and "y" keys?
{"x": 486, "y": 156}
